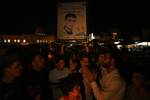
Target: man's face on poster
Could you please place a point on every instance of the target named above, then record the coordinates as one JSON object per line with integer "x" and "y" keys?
{"x": 70, "y": 22}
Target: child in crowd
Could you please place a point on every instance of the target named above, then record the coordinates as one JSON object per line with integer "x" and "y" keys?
{"x": 71, "y": 87}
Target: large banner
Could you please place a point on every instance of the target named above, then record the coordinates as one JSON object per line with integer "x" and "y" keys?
{"x": 71, "y": 23}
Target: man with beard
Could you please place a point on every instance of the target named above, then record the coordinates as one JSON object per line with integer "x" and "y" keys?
{"x": 112, "y": 86}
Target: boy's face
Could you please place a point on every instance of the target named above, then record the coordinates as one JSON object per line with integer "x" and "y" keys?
{"x": 60, "y": 64}
{"x": 38, "y": 61}
{"x": 70, "y": 22}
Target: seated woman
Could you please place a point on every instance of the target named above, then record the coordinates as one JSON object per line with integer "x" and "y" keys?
{"x": 71, "y": 87}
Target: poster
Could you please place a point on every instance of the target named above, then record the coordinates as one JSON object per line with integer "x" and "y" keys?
{"x": 71, "y": 22}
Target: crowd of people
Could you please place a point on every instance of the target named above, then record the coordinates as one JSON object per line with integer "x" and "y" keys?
{"x": 75, "y": 73}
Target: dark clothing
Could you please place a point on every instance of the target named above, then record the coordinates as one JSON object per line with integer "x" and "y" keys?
{"x": 133, "y": 94}
{"x": 10, "y": 91}
{"x": 36, "y": 83}
{"x": 68, "y": 30}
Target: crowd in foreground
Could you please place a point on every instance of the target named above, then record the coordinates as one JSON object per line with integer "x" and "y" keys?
{"x": 102, "y": 73}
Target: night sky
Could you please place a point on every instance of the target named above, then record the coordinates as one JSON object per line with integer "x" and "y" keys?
{"x": 23, "y": 16}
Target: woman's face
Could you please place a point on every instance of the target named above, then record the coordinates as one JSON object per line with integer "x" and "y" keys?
{"x": 15, "y": 69}
{"x": 84, "y": 62}
{"x": 72, "y": 65}
{"x": 76, "y": 91}
{"x": 137, "y": 79}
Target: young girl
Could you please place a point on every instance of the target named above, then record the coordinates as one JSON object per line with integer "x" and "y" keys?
{"x": 71, "y": 87}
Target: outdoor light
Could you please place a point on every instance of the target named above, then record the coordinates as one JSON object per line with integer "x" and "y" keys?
{"x": 142, "y": 43}
{"x": 100, "y": 44}
{"x": 116, "y": 42}
{"x": 92, "y": 36}
{"x": 148, "y": 43}
{"x": 37, "y": 41}
{"x": 119, "y": 46}
{"x": 8, "y": 40}
{"x": 18, "y": 41}
{"x": 15, "y": 40}
{"x": 5, "y": 41}
{"x": 71, "y": 45}
{"x": 24, "y": 41}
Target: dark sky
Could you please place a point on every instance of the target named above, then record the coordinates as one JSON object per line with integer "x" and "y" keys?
{"x": 127, "y": 16}
{"x": 22, "y": 16}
